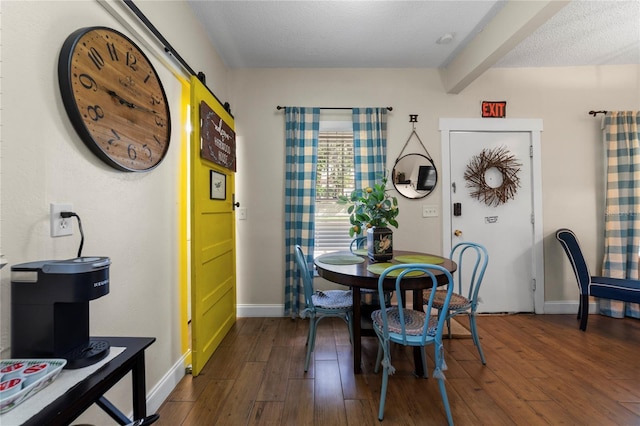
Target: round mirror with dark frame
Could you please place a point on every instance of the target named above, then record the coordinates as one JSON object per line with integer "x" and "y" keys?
{"x": 414, "y": 176}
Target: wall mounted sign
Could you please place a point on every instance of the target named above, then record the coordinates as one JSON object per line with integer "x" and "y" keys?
{"x": 218, "y": 140}
{"x": 494, "y": 109}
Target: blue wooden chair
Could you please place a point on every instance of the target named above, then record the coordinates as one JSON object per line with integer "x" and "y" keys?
{"x": 468, "y": 280}
{"x": 358, "y": 243}
{"x": 321, "y": 304}
{"x": 411, "y": 328}
{"x": 626, "y": 290}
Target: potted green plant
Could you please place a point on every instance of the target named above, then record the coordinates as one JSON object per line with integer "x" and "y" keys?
{"x": 372, "y": 210}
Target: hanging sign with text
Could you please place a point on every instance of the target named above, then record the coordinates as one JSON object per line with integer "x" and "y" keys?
{"x": 494, "y": 109}
{"x": 218, "y": 142}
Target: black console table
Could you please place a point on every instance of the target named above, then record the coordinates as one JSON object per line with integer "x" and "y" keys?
{"x": 76, "y": 400}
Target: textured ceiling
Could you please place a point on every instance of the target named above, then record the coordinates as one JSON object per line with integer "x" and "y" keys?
{"x": 404, "y": 33}
{"x": 583, "y": 33}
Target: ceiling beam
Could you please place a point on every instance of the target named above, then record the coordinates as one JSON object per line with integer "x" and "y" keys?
{"x": 515, "y": 22}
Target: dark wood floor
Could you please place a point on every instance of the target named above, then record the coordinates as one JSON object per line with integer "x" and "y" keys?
{"x": 540, "y": 370}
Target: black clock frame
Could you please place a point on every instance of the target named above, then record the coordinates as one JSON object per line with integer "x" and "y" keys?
{"x": 73, "y": 111}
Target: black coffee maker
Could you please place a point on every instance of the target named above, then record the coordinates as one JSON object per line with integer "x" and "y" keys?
{"x": 50, "y": 309}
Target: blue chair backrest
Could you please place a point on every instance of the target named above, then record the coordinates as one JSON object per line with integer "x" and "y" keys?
{"x": 430, "y": 271}
{"x": 357, "y": 243}
{"x": 462, "y": 253}
{"x": 305, "y": 275}
{"x": 570, "y": 244}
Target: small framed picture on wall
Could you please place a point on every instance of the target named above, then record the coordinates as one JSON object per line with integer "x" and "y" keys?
{"x": 218, "y": 186}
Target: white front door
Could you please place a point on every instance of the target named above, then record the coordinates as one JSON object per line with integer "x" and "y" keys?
{"x": 508, "y": 230}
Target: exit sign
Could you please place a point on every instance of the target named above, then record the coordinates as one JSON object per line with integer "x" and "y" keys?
{"x": 494, "y": 109}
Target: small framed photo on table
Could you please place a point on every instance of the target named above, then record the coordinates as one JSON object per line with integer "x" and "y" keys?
{"x": 218, "y": 186}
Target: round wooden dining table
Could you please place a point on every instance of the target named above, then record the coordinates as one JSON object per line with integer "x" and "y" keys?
{"x": 357, "y": 276}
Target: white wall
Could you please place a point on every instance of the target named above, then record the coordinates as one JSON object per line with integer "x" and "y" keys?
{"x": 130, "y": 217}
{"x": 571, "y": 148}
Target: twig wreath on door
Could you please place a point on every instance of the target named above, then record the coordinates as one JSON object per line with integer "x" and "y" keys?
{"x": 492, "y": 176}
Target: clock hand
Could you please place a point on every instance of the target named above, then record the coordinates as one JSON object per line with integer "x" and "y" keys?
{"x": 129, "y": 104}
{"x": 120, "y": 98}
{"x": 141, "y": 108}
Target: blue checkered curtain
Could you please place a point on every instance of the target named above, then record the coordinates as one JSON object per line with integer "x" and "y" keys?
{"x": 302, "y": 127}
{"x": 369, "y": 145}
{"x": 622, "y": 215}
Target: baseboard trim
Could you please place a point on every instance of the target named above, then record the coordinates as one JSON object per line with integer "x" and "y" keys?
{"x": 550, "y": 307}
{"x": 565, "y": 307}
{"x": 245, "y": 311}
{"x": 163, "y": 388}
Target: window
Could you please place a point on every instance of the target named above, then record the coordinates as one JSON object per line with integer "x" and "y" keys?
{"x": 335, "y": 177}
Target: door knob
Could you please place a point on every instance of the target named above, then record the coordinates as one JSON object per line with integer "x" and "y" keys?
{"x": 457, "y": 232}
{"x": 237, "y": 204}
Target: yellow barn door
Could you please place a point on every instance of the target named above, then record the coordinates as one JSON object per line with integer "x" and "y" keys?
{"x": 213, "y": 244}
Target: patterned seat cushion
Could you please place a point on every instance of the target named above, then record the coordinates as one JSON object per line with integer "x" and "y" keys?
{"x": 332, "y": 299}
{"x": 457, "y": 301}
{"x": 414, "y": 321}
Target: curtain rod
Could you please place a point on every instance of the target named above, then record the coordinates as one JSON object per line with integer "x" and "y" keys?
{"x": 283, "y": 107}
{"x": 594, "y": 113}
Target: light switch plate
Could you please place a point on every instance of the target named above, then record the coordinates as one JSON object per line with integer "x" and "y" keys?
{"x": 242, "y": 213}
{"x": 429, "y": 211}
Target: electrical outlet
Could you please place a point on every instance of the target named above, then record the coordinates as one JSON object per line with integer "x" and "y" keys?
{"x": 429, "y": 211}
{"x": 60, "y": 226}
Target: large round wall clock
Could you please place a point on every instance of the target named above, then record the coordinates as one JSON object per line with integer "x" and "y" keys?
{"x": 114, "y": 98}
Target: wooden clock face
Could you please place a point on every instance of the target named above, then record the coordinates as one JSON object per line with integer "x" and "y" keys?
{"x": 114, "y": 99}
